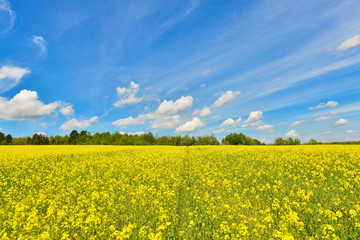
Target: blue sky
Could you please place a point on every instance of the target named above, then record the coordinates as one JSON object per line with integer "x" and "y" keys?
{"x": 267, "y": 69}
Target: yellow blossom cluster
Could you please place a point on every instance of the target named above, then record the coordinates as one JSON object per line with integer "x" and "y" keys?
{"x": 163, "y": 192}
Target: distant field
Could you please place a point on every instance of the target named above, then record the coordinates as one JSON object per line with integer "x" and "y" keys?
{"x": 218, "y": 192}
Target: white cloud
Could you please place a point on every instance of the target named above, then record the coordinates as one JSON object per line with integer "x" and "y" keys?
{"x": 133, "y": 134}
{"x": 331, "y": 115}
{"x": 206, "y": 72}
{"x": 11, "y": 76}
{"x": 216, "y": 117}
{"x": 292, "y": 133}
{"x": 203, "y": 85}
{"x": 194, "y": 5}
{"x": 296, "y": 123}
{"x": 324, "y": 118}
{"x": 182, "y": 104}
{"x": 40, "y": 42}
{"x": 127, "y": 95}
{"x": 68, "y": 110}
{"x": 165, "y": 109}
{"x": 254, "y": 119}
{"x": 40, "y": 133}
{"x": 349, "y": 43}
{"x": 205, "y": 112}
{"x": 124, "y": 122}
{"x": 9, "y": 20}
{"x": 266, "y": 128}
{"x": 340, "y": 122}
{"x": 328, "y": 132}
{"x": 352, "y": 131}
{"x": 218, "y": 131}
{"x": 230, "y": 122}
{"x": 74, "y": 123}
{"x": 26, "y": 106}
{"x": 190, "y": 126}
{"x": 226, "y": 98}
{"x": 323, "y": 105}
{"x": 167, "y": 122}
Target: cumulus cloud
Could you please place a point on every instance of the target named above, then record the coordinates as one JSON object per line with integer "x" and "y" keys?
{"x": 292, "y": 133}
{"x": 40, "y": 42}
{"x": 190, "y": 126}
{"x": 26, "y": 106}
{"x": 68, "y": 110}
{"x": 76, "y": 124}
{"x": 254, "y": 119}
{"x": 266, "y": 128}
{"x": 226, "y": 98}
{"x": 7, "y": 16}
{"x": 10, "y": 76}
{"x": 340, "y": 122}
{"x": 166, "y": 122}
{"x": 324, "y": 105}
{"x": 205, "y": 112}
{"x": 296, "y": 123}
{"x": 182, "y": 104}
{"x": 349, "y": 43}
{"x": 230, "y": 122}
{"x": 164, "y": 115}
{"x": 40, "y": 133}
{"x": 124, "y": 122}
{"x": 352, "y": 131}
{"x": 128, "y": 95}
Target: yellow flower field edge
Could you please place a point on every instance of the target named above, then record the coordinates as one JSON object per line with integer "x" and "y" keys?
{"x": 209, "y": 192}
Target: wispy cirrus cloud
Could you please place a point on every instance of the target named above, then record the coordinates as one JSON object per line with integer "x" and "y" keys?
{"x": 41, "y": 43}
{"x": 10, "y": 76}
{"x": 351, "y": 131}
{"x": 296, "y": 123}
{"x": 7, "y": 16}
{"x": 349, "y": 43}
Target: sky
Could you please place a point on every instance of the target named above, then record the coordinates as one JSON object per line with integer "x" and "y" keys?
{"x": 265, "y": 68}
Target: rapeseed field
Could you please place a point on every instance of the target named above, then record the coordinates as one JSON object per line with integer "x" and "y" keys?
{"x": 219, "y": 192}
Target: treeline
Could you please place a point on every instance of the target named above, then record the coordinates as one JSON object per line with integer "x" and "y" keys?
{"x": 106, "y": 138}
{"x": 289, "y": 141}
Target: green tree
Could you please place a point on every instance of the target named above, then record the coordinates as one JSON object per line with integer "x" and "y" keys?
{"x": 73, "y": 136}
{"x": 9, "y": 138}
{"x": 280, "y": 141}
{"x": 234, "y": 139}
